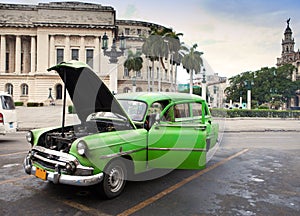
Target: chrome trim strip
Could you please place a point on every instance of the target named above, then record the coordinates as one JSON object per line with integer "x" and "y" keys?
{"x": 70, "y": 179}
{"x": 178, "y": 149}
{"x": 49, "y": 161}
{"x": 62, "y": 155}
{"x": 63, "y": 159}
{"x": 56, "y": 177}
{"x": 121, "y": 153}
{"x": 181, "y": 125}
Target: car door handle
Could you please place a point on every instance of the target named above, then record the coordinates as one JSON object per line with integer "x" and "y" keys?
{"x": 203, "y": 127}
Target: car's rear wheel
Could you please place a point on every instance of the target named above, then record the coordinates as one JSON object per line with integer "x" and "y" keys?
{"x": 115, "y": 175}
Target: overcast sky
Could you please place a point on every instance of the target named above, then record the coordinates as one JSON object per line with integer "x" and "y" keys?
{"x": 235, "y": 35}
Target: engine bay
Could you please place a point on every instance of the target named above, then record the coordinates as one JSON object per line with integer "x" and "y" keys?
{"x": 61, "y": 140}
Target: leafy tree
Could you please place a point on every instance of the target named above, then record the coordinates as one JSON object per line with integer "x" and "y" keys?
{"x": 269, "y": 85}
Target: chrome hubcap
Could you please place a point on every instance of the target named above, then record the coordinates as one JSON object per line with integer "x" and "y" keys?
{"x": 116, "y": 179}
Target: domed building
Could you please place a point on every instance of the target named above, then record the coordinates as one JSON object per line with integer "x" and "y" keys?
{"x": 36, "y": 37}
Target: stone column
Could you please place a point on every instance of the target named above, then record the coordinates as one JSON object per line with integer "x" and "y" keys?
{"x": 3, "y": 54}
{"x": 52, "y": 51}
{"x": 42, "y": 51}
{"x": 82, "y": 50}
{"x": 67, "y": 54}
{"x": 18, "y": 55}
{"x": 33, "y": 54}
{"x": 26, "y": 56}
{"x": 97, "y": 55}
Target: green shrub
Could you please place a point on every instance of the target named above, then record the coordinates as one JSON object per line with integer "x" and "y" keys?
{"x": 34, "y": 104}
{"x": 19, "y": 103}
{"x": 263, "y": 107}
{"x": 257, "y": 113}
{"x": 71, "y": 109}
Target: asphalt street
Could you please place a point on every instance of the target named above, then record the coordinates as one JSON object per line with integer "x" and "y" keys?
{"x": 251, "y": 173}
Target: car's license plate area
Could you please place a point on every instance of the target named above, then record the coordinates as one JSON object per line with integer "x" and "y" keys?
{"x": 41, "y": 173}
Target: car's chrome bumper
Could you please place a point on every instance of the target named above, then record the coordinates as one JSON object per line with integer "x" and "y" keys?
{"x": 58, "y": 178}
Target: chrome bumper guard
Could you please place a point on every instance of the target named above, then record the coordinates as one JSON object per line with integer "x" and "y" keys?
{"x": 59, "y": 178}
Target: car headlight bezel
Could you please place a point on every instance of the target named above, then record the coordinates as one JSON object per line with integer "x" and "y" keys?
{"x": 29, "y": 137}
{"x": 81, "y": 148}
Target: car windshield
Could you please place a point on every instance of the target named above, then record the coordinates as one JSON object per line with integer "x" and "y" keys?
{"x": 135, "y": 109}
{"x": 7, "y": 102}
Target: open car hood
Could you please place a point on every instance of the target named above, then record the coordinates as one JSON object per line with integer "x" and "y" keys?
{"x": 87, "y": 91}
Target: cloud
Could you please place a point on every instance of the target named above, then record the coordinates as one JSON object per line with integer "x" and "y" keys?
{"x": 130, "y": 11}
{"x": 211, "y": 42}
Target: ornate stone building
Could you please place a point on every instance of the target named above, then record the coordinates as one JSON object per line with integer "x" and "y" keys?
{"x": 290, "y": 56}
{"x": 36, "y": 37}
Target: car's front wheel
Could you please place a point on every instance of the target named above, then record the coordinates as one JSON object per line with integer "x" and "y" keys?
{"x": 115, "y": 175}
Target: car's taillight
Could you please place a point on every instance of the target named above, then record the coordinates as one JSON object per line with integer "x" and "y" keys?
{"x": 1, "y": 118}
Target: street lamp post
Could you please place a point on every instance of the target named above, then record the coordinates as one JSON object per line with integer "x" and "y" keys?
{"x": 249, "y": 86}
{"x": 204, "y": 85}
{"x": 113, "y": 55}
{"x": 51, "y": 100}
{"x": 241, "y": 100}
{"x": 215, "y": 96}
{"x": 134, "y": 84}
{"x": 50, "y": 95}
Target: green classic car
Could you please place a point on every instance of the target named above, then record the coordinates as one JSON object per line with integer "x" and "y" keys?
{"x": 119, "y": 136}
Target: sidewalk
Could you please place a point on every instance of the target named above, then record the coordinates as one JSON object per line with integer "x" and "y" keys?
{"x": 48, "y": 116}
{"x": 258, "y": 124}
{"x": 40, "y": 117}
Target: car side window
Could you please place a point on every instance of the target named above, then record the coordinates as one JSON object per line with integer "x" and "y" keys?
{"x": 197, "y": 109}
{"x": 181, "y": 111}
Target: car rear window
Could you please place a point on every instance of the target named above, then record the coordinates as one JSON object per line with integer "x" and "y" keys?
{"x": 7, "y": 102}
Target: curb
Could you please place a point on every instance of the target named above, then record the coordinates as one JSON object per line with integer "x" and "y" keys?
{"x": 259, "y": 131}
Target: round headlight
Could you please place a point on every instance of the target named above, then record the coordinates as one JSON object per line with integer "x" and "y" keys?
{"x": 29, "y": 137}
{"x": 81, "y": 148}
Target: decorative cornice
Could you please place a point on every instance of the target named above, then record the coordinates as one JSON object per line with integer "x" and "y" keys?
{"x": 64, "y": 25}
{"x": 137, "y": 23}
{"x": 57, "y": 6}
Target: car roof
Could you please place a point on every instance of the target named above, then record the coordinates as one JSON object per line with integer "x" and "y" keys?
{"x": 150, "y": 97}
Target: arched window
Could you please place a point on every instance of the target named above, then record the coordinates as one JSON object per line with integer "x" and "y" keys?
{"x": 58, "y": 90}
{"x": 126, "y": 72}
{"x": 139, "y": 89}
{"x": 24, "y": 89}
{"x": 9, "y": 88}
{"x": 126, "y": 90}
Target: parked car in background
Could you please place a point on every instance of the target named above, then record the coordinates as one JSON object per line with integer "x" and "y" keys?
{"x": 8, "y": 115}
{"x": 121, "y": 136}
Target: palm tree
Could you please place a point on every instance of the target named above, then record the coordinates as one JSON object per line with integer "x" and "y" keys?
{"x": 174, "y": 46}
{"x": 156, "y": 49}
{"x": 192, "y": 62}
{"x": 134, "y": 62}
{"x": 147, "y": 50}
